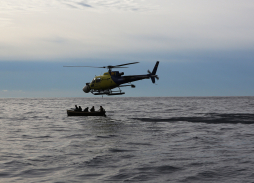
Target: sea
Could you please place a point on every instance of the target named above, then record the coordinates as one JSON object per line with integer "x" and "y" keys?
{"x": 146, "y": 139}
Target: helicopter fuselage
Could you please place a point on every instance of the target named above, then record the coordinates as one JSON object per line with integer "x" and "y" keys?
{"x": 103, "y": 84}
{"x": 112, "y": 80}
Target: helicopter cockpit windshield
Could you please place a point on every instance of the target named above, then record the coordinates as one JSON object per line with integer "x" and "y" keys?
{"x": 97, "y": 80}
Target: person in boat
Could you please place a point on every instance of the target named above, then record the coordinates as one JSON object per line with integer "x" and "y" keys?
{"x": 86, "y": 109}
{"x": 76, "y": 108}
{"x": 79, "y": 108}
{"x": 101, "y": 109}
{"x": 92, "y": 109}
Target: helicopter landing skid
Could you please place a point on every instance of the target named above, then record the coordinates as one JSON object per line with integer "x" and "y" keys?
{"x": 108, "y": 92}
{"x": 117, "y": 93}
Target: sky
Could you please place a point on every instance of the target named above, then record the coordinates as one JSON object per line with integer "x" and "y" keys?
{"x": 205, "y": 48}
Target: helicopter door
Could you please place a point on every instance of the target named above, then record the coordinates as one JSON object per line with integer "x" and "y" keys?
{"x": 98, "y": 82}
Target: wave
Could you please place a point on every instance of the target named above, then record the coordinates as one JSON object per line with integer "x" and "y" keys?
{"x": 244, "y": 118}
{"x": 144, "y": 173}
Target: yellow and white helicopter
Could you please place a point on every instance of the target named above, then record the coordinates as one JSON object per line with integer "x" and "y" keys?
{"x": 103, "y": 85}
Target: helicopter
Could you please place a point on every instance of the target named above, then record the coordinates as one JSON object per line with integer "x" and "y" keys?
{"x": 103, "y": 84}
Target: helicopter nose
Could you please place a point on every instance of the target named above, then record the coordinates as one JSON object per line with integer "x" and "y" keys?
{"x": 86, "y": 89}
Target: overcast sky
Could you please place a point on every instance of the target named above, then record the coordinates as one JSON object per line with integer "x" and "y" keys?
{"x": 206, "y": 48}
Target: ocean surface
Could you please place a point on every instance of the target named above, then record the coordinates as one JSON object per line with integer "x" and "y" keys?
{"x": 162, "y": 139}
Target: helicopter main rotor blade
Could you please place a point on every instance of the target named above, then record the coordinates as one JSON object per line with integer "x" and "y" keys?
{"x": 119, "y": 67}
{"x": 127, "y": 64}
{"x": 109, "y": 66}
{"x": 85, "y": 66}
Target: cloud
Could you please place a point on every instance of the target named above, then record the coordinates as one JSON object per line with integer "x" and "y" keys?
{"x": 125, "y": 5}
{"x": 84, "y": 4}
{"x": 5, "y": 22}
{"x": 101, "y": 28}
{"x": 56, "y": 39}
{"x": 35, "y": 5}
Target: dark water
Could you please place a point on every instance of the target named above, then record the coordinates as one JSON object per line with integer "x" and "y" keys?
{"x": 142, "y": 139}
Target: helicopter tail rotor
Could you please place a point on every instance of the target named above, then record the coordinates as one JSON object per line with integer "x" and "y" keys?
{"x": 153, "y": 74}
{"x": 153, "y": 78}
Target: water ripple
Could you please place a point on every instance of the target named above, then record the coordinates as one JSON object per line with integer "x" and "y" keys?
{"x": 192, "y": 139}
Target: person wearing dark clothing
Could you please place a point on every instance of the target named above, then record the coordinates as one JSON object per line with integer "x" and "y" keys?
{"x": 86, "y": 109}
{"x": 79, "y": 108}
{"x": 76, "y": 108}
{"x": 101, "y": 109}
{"x": 92, "y": 109}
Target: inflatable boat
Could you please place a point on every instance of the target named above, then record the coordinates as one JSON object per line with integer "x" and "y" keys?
{"x": 71, "y": 112}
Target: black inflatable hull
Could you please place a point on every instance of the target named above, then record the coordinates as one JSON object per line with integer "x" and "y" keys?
{"x": 82, "y": 113}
